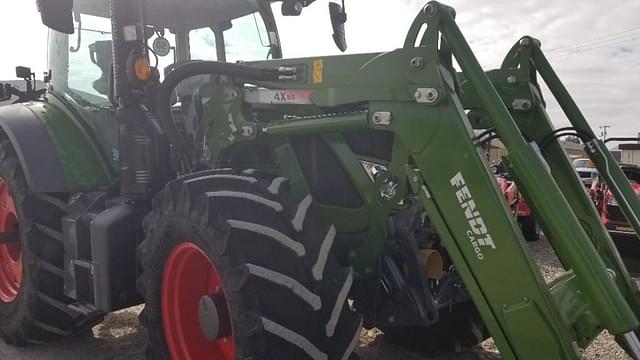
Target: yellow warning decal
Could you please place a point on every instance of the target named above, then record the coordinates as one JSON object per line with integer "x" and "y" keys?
{"x": 318, "y": 71}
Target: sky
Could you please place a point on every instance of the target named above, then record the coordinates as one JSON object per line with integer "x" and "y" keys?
{"x": 593, "y": 45}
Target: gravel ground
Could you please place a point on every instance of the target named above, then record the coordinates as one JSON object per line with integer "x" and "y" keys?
{"x": 120, "y": 337}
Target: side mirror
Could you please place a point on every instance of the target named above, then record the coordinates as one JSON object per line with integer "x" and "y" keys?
{"x": 292, "y": 7}
{"x": 338, "y": 19}
{"x": 57, "y": 14}
{"x": 23, "y": 72}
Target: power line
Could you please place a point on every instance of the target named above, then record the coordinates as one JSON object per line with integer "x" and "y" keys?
{"x": 596, "y": 45}
{"x": 598, "y": 39}
{"x": 589, "y": 49}
{"x": 599, "y": 42}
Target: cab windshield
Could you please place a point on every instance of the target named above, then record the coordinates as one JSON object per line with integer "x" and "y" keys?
{"x": 82, "y": 62}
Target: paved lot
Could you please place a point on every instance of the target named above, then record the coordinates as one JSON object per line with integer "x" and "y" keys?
{"x": 120, "y": 337}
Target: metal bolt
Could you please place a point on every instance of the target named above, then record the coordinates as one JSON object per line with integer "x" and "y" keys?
{"x": 525, "y": 41}
{"x": 426, "y": 95}
{"x": 382, "y": 118}
{"x": 430, "y": 10}
{"x": 417, "y": 62}
{"x": 432, "y": 94}
{"x": 288, "y": 69}
{"x": 512, "y": 79}
{"x": 247, "y": 131}
{"x": 287, "y": 78}
{"x": 521, "y": 104}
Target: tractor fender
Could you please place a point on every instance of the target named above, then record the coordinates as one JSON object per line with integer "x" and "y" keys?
{"x": 52, "y": 164}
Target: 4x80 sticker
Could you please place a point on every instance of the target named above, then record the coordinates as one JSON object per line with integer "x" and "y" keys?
{"x": 478, "y": 234}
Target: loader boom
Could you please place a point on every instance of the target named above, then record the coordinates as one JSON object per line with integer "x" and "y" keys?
{"x": 425, "y": 109}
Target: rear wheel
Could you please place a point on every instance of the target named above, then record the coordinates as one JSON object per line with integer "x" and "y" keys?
{"x": 233, "y": 269}
{"x": 33, "y": 308}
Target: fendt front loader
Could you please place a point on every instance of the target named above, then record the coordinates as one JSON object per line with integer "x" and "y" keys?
{"x": 268, "y": 208}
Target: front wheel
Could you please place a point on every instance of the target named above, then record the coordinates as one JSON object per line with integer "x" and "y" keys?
{"x": 233, "y": 269}
{"x": 530, "y": 228}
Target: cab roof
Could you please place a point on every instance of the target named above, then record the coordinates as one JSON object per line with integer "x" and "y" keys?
{"x": 179, "y": 14}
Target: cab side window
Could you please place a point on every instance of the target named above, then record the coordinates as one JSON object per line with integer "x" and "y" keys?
{"x": 89, "y": 63}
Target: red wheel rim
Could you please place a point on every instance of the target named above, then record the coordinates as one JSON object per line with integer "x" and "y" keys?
{"x": 10, "y": 254}
{"x": 189, "y": 275}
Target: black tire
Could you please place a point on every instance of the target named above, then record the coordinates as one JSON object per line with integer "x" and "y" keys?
{"x": 459, "y": 327}
{"x": 530, "y": 228}
{"x": 40, "y": 312}
{"x": 270, "y": 320}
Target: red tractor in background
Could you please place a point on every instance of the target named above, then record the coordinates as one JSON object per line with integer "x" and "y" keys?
{"x": 612, "y": 216}
{"x": 614, "y": 220}
{"x": 517, "y": 203}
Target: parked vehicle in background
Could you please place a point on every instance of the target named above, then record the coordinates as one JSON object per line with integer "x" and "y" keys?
{"x": 517, "y": 203}
{"x": 612, "y": 216}
{"x": 614, "y": 220}
{"x": 586, "y": 170}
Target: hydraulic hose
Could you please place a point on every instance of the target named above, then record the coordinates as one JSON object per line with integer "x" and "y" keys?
{"x": 195, "y": 68}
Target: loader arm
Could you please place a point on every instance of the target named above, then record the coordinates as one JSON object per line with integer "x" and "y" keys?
{"x": 596, "y": 291}
{"x": 518, "y": 84}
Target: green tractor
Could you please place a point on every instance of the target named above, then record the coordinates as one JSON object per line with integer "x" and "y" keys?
{"x": 269, "y": 208}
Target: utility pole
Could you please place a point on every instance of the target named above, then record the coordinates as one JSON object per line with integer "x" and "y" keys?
{"x": 603, "y": 131}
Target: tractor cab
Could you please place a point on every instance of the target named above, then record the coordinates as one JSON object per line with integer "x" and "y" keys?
{"x": 175, "y": 33}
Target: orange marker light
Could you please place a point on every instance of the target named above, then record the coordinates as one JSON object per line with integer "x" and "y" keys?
{"x": 142, "y": 69}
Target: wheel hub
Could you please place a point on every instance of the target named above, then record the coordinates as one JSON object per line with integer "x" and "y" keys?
{"x": 195, "y": 314}
{"x": 212, "y": 313}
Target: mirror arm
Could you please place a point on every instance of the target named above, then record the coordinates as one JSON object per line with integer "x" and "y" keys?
{"x": 79, "y": 41}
